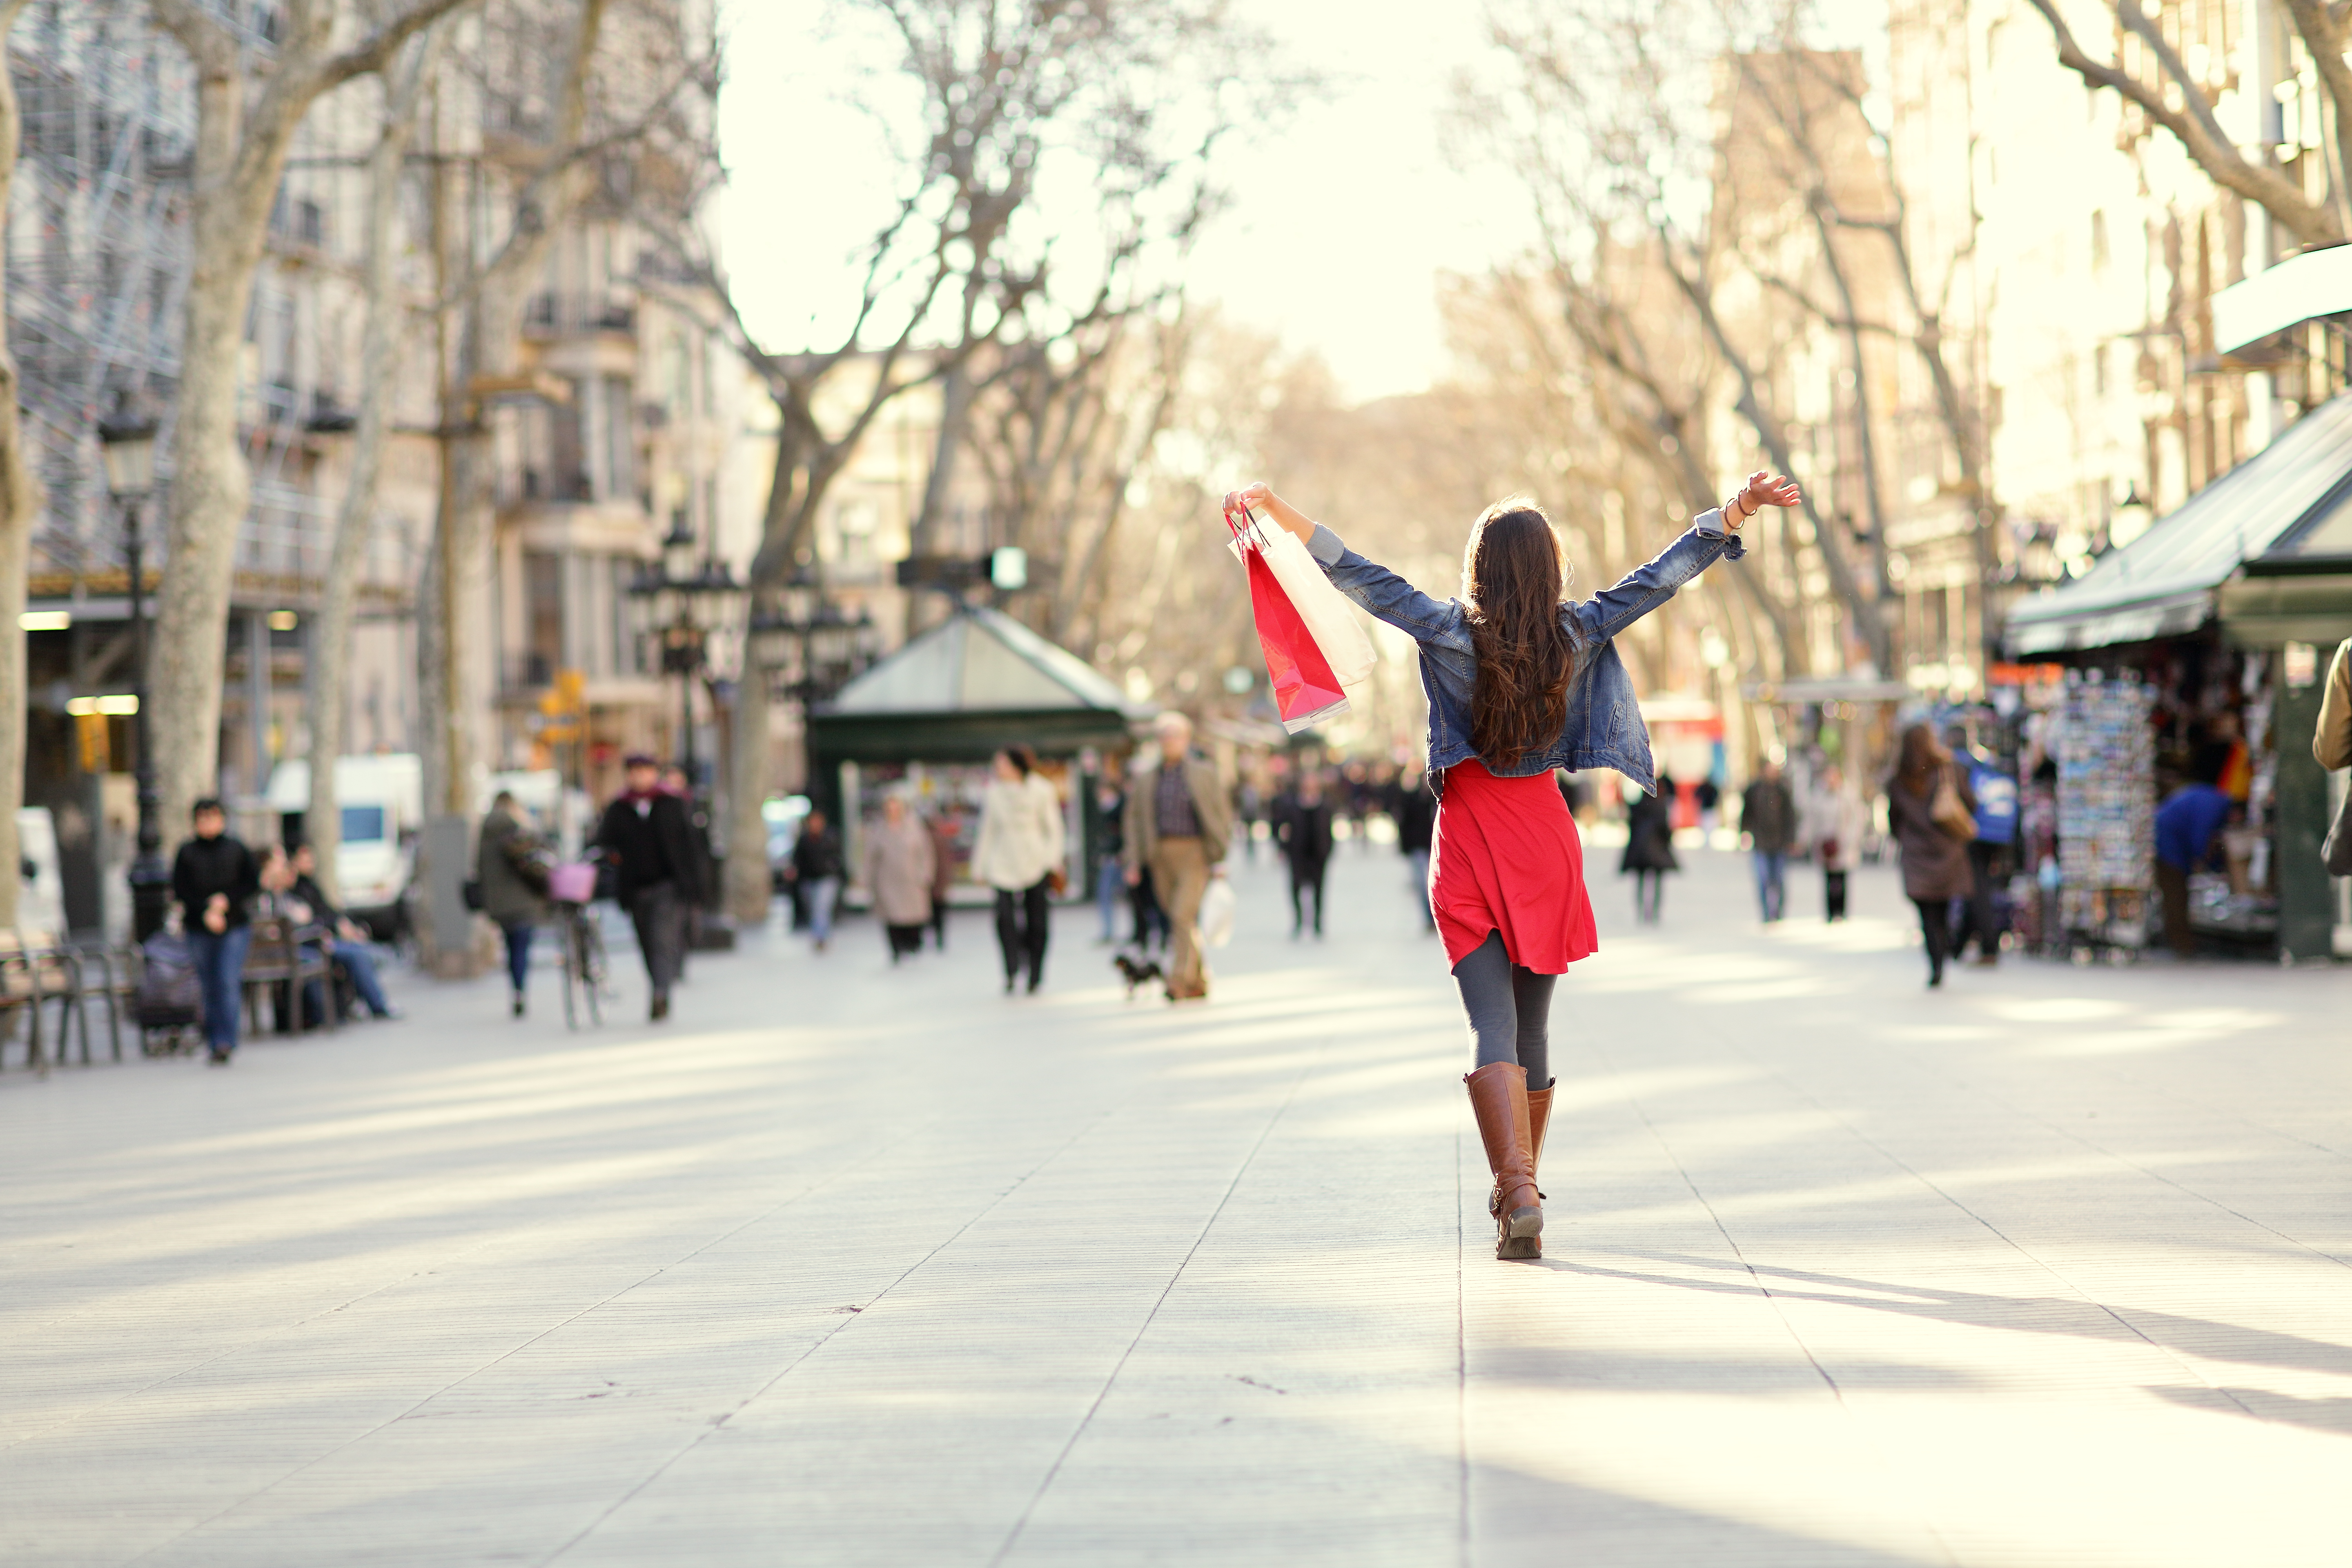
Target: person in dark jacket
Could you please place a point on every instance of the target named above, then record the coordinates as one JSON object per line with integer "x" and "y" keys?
{"x": 346, "y": 943}
{"x": 216, "y": 878}
{"x": 645, "y": 833}
{"x": 1650, "y": 850}
{"x": 508, "y": 897}
{"x": 1416, "y": 825}
{"x": 816, "y": 867}
{"x": 1768, "y": 814}
{"x": 1302, "y": 827}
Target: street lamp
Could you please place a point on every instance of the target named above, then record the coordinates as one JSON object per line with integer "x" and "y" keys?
{"x": 682, "y": 602}
{"x": 831, "y": 647}
{"x": 127, "y": 440}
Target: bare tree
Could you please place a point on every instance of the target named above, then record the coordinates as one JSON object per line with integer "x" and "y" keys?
{"x": 248, "y": 106}
{"x": 380, "y": 354}
{"x": 2149, "y": 71}
{"x": 20, "y": 503}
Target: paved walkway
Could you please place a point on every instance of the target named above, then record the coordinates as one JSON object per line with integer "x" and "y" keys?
{"x": 853, "y": 1265}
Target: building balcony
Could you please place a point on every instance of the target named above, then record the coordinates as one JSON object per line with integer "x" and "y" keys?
{"x": 566, "y": 315}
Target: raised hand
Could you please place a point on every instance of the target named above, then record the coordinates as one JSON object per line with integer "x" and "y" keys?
{"x": 1762, "y": 490}
{"x": 1258, "y": 496}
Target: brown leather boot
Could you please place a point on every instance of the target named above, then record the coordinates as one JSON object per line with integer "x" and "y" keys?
{"x": 1499, "y": 1099}
{"x": 1538, "y": 1114}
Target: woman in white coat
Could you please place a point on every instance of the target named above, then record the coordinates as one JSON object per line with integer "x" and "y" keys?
{"x": 1019, "y": 853}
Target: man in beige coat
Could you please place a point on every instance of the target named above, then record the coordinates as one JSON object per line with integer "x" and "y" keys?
{"x": 2331, "y": 742}
{"x": 1179, "y": 823}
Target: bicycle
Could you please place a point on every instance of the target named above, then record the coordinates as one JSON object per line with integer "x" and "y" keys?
{"x": 583, "y": 966}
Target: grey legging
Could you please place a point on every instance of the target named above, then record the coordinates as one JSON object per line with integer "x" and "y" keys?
{"x": 1509, "y": 1008}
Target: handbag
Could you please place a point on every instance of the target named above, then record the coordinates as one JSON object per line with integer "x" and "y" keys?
{"x": 472, "y": 893}
{"x": 1218, "y": 907}
{"x": 2337, "y": 850}
{"x": 1948, "y": 812}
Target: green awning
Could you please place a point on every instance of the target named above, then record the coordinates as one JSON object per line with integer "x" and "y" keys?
{"x": 2169, "y": 580}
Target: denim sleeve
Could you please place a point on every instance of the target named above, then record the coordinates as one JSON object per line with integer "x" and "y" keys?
{"x": 1611, "y": 610}
{"x": 1384, "y": 596}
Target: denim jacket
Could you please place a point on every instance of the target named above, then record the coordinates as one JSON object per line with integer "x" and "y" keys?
{"x": 1604, "y": 727}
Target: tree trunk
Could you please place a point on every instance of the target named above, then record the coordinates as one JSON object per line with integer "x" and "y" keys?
{"x": 379, "y": 363}
{"x": 749, "y": 888}
{"x": 20, "y": 503}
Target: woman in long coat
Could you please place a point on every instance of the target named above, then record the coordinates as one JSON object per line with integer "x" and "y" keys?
{"x": 1019, "y": 852}
{"x": 900, "y": 859}
{"x": 1650, "y": 849}
{"x": 1935, "y": 862}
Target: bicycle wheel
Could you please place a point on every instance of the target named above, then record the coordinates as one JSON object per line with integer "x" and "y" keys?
{"x": 591, "y": 967}
{"x": 570, "y": 969}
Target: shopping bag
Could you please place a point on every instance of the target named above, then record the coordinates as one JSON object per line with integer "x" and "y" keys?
{"x": 1217, "y": 906}
{"x": 1308, "y": 688}
{"x": 1330, "y": 619}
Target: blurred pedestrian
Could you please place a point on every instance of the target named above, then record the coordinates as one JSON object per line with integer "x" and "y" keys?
{"x": 1416, "y": 822}
{"x": 2186, "y": 826}
{"x": 1149, "y": 917}
{"x": 216, "y": 879}
{"x": 1996, "y": 794}
{"x": 1834, "y": 822}
{"x": 1110, "y": 813}
{"x": 345, "y": 943}
{"x": 1649, "y": 848}
{"x": 1249, "y": 810}
{"x": 1710, "y": 796}
{"x": 1020, "y": 853}
{"x": 515, "y": 905}
{"x": 900, "y": 861}
{"x": 276, "y": 901}
{"x": 1927, "y": 808}
{"x": 946, "y": 826}
{"x": 1768, "y": 814}
{"x": 1302, "y": 828}
{"x": 2331, "y": 741}
{"x": 645, "y": 833}
{"x": 1180, "y": 828}
{"x": 1519, "y": 683}
{"x": 817, "y": 868}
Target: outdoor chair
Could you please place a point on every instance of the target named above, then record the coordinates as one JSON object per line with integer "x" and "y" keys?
{"x": 31, "y": 975}
{"x": 289, "y": 955}
{"x": 111, "y": 974}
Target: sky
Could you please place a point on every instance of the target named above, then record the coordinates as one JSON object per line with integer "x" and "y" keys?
{"x": 1341, "y": 222}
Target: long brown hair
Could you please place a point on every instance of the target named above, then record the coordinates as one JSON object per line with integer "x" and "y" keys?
{"x": 1512, "y": 577}
{"x": 1921, "y": 759}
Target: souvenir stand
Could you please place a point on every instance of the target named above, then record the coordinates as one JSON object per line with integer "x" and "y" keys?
{"x": 2160, "y": 676}
{"x": 930, "y": 718}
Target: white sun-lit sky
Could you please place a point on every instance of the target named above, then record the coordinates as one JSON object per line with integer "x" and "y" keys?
{"x": 1341, "y": 222}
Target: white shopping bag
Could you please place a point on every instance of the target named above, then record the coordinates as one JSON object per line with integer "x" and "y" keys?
{"x": 1331, "y": 618}
{"x": 1217, "y": 905}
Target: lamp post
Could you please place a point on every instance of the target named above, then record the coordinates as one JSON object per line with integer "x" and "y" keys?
{"x": 831, "y": 647}
{"x": 682, "y": 602}
{"x": 128, "y": 443}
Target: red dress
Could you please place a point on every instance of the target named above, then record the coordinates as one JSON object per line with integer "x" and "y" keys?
{"x": 1508, "y": 859}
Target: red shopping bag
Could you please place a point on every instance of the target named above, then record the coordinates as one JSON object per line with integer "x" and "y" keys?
{"x": 1304, "y": 690}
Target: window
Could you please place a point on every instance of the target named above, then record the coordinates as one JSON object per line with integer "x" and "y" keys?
{"x": 542, "y": 573}
{"x": 364, "y": 824}
{"x": 620, "y": 438}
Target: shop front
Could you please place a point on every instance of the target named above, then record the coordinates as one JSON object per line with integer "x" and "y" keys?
{"x": 2182, "y": 659}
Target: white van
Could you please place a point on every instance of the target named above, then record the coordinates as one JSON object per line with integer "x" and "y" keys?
{"x": 382, "y": 798}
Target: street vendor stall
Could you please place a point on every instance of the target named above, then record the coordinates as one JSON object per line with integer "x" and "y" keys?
{"x": 930, "y": 716}
{"x": 2180, "y": 659}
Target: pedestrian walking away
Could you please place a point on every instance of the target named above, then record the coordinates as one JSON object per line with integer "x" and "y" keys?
{"x": 1768, "y": 815}
{"x": 1834, "y": 823}
{"x": 1303, "y": 830}
{"x": 1520, "y": 682}
{"x": 1649, "y": 848}
{"x": 1416, "y": 825}
{"x": 1020, "y": 853}
{"x": 1111, "y": 813}
{"x": 511, "y": 862}
{"x": 900, "y": 858}
{"x": 216, "y": 879}
{"x": 645, "y": 832}
{"x": 817, "y": 868}
{"x": 1179, "y": 830}
{"x": 1932, "y": 814}
{"x": 944, "y": 829}
{"x": 2331, "y": 748}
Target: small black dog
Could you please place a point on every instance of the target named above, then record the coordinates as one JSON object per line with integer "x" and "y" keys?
{"x": 1135, "y": 971}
